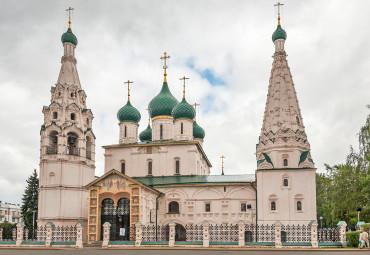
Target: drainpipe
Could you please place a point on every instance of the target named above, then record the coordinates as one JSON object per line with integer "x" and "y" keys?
{"x": 256, "y": 207}
{"x": 156, "y": 217}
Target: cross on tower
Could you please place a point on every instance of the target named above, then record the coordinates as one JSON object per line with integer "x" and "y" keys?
{"x": 195, "y": 107}
{"x": 278, "y": 5}
{"x": 222, "y": 158}
{"x": 184, "y": 78}
{"x": 148, "y": 116}
{"x": 165, "y": 57}
{"x": 128, "y": 88}
{"x": 69, "y": 16}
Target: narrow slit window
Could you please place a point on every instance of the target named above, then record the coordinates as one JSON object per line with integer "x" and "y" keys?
{"x": 285, "y": 162}
{"x": 73, "y": 116}
{"x": 123, "y": 168}
{"x": 207, "y": 207}
{"x": 161, "y": 132}
{"x": 182, "y": 128}
{"x": 273, "y": 206}
{"x": 299, "y": 206}
{"x": 177, "y": 167}
{"x": 285, "y": 182}
{"x": 125, "y": 131}
{"x": 55, "y": 115}
{"x": 150, "y": 168}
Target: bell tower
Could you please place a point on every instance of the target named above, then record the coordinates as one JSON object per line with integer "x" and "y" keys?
{"x": 67, "y": 146}
{"x": 285, "y": 170}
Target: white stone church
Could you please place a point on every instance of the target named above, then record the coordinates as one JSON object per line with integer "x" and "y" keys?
{"x": 163, "y": 173}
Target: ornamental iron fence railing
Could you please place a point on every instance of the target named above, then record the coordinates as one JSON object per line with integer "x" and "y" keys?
{"x": 295, "y": 233}
{"x": 328, "y": 234}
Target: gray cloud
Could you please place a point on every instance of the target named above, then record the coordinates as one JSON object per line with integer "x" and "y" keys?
{"x": 328, "y": 53}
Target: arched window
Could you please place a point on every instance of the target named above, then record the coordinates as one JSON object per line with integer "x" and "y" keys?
{"x": 177, "y": 165}
{"x": 73, "y": 116}
{"x": 296, "y": 117}
{"x": 60, "y": 93}
{"x": 72, "y": 148}
{"x": 125, "y": 131}
{"x": 285, "y": 162}
{"x": 285, "y": 182}
{"x": 161, "y": 132}
{"x": 273, "y": 206}
{"x": 182, "y": 128}
{"x": 299, "y": 206}
{"x": 53, "y": 143}
{"x": 123, "y": 167}
{"x": 55, "y": 115}
{"x": 87, "y": 121}
{"x": 88, "y": 147}
{"x": 150, "y": 168}
{"x": 173, "y": 207}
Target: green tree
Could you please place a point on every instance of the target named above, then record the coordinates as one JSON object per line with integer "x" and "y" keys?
{"x": 7, "y": 229}
{"x": 346, "y": 187}
{"x": 30, "y": 201}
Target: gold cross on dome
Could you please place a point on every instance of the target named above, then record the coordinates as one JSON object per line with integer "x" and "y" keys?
{"x": 148, "y": 116}
{"x": 222, "y": 158}
{"x": 69, "y": 16}
{"x": 278, "y": 5}
{"x": 128, "y": 88}
{"x": 165, "y": 57}
{"x": 184, "y": 78}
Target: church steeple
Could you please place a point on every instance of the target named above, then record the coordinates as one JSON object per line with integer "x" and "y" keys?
{"x": 283, "y": 142}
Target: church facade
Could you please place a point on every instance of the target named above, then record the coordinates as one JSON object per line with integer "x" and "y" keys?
{"x": 163, "y": 174}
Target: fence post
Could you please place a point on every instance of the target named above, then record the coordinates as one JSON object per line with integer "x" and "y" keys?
{"x": 106, "y": 234}
{"x": 205, "y": 234}
{"x": 139, "y": 233}
{"x": 171, "y": 242}
{"x": 20, "y": 228}
{"x": 314, "y": 237}
{"x": 49, "y": 233}
{"x": 278, "y": 243}
{"x": 241, "y": 227}
{"x": 79, "y": 241}
{"x": 14, "y": 234}
{"x": 26, "y": 233}
{"x": 342, "y": 233}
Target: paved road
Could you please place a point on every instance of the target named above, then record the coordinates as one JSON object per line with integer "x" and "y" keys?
{"x": 178, "y": 252}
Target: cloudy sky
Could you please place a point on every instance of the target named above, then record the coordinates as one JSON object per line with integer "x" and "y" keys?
{"x": 224, "y": 47}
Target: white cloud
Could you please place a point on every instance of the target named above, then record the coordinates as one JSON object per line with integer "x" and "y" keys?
{"x": 118, "y": 40}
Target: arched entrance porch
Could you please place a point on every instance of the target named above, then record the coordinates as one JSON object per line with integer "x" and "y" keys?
{"x": 118, "y": 218}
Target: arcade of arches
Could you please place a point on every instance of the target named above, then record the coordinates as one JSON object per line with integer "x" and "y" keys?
{"x": 116, "y": 198}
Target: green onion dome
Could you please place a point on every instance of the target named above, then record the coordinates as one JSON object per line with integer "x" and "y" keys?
{"x": 146, "y": 135}
{"x": 163, "y": 103}
{"x": 183, "y": 110}
{"x": 69, "y": 37}
{"x": 198, "y": 132}
{"x": 128, "y": 113}
{"x": 279, "y": 34}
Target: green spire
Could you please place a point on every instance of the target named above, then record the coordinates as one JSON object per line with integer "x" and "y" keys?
{"x": 69, "y": 37}
{"x": 279, "y": 32}
{"x": 183, "y": 110}
{"x": 128, "y": 113}
{"x": 163, "y": 103}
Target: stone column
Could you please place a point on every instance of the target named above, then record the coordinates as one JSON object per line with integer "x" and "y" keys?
{"x": 1, "y": 234}
{"x": 106, "y": 234}
{"x": 241, "y": 227}
{"x": 80, "y": 234}
{"x": 278, "y": 243}
{"x": 139, "y": 233}
{"x": 314, "y": 240}
{"x": 49, "y": 234}
{"x": 14, "y": 234}
{"x": 206, "y": 234}
{"x": 20, "y": 228}
{"x": 171, "y": 242}
{"x": 342, "y": 233}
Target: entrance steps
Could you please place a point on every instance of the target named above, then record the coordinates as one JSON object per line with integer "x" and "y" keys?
{"x": 94, "y": 244}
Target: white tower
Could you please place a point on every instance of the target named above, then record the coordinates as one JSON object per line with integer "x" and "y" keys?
{"x": 67, "y": 153}
{"x": 285, "y": 171}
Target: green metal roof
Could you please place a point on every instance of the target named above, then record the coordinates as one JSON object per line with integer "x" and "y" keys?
{"x": 128, "y": 113}
{"x": 279, "y": 34}
{"x": 195, "y": 179}
{"x": 146, "y": 135}
{"x": 69, "y": 37}
{"x": 163, "y": 103}
{"x": 198, "y": 131}
{"x": 183, "y": 110}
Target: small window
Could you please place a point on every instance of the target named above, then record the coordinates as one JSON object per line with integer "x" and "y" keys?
{"x": 161, "y": 132}
{"x": 243, "y": 207}
{"x": 296, "y": 117}
{"x": 224, "y": 188}
{"x": 72, "y": 95}
{"x": 177, "y": 166}
{"x": 60, "y": 93}
{"x": 55, "y": 115}
{"x": 299, "y": 206}
{"x": 150, "y": 168}
{"x": 285, "y": 162}
{"x": 273, "y": 206}
{"x": 208, "y": 207}
{"x": 182, "y": 128}
{"x": 73, "y": 116}
{"x": 123, "y": 168}
{"x": 173, "y": 207}
{"x": 285, "y": 182}
{"x": 87, "y": 121}
{"x": 125, "y": 131}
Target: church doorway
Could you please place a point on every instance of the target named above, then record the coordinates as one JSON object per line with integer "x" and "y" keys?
{"x": 118, "y": 218}
{"x": 180, "y": 232}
